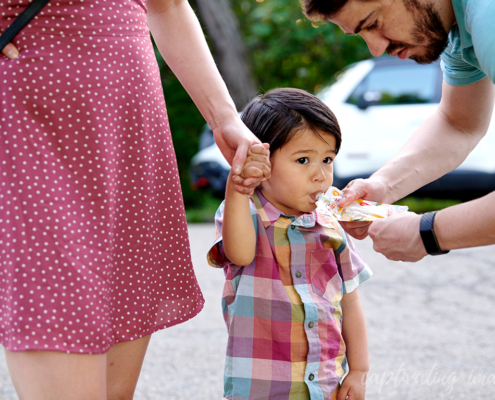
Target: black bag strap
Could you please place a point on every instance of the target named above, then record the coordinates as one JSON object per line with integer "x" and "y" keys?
{"x": 21, "y": 21}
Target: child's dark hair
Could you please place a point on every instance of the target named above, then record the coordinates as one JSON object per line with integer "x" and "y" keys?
{"x": 276, "y": 116}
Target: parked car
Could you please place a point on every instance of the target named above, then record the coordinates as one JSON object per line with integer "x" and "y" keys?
{"x": 209, "y": 169}
{"x": 379, "y": 104}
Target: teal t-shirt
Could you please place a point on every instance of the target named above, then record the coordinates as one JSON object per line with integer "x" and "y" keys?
{"x": 470, "y": 55}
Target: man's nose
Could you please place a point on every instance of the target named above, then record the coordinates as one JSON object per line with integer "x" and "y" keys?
{"x": 376, "y": 42}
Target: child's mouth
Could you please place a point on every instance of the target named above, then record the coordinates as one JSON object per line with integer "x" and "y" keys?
{"x": 314, "y": 195}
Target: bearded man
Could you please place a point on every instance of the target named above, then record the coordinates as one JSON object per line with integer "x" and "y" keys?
{"x": 461, "y": 33}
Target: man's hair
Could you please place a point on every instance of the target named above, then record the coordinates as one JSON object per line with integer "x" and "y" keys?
{"x": 276, "y": 116}
{"x": 317, "y": 10}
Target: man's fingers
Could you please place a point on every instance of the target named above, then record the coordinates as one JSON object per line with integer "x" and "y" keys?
{"x": 10, "y": 51}
{"x": 356, "y": 189}
{"x": 357, "y": 229}
{"x": 349, "y": 195}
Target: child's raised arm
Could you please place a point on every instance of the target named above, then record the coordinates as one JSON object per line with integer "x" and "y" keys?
{"x": 356, "y": 342}
{"x": 238, "y": 235}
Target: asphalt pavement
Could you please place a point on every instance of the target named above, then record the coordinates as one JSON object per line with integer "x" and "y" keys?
{"x": 430, "y": 329}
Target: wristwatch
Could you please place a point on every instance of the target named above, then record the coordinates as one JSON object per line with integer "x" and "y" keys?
{"x": 428, "y": 235}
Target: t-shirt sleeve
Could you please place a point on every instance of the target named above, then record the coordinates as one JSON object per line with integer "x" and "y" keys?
{"x": 216, "y": 256}
{"x": 353, "y": 268}
{"x": 456, "y": 71}
{"x": 481, "y": 23}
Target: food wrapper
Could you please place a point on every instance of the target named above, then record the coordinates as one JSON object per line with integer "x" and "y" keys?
{"x": 358, "y": 210}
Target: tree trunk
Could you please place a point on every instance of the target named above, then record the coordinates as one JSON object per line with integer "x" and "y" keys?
{"x": 229, "y": 51}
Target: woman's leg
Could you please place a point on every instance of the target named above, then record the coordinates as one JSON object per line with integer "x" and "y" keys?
{"x": 48, "y": 375}
{"x": 124, "y": 361}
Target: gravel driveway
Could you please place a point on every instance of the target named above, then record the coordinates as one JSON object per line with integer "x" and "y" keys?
{"x": 430, "y": 326}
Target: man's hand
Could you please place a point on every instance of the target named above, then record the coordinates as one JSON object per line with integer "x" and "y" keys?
{"x": 356, "y": 229}
{"x": 353, "y": 387}
{"x": 10, "y": 51}
{"x": 397, "y": 237}
{"x": 234, "y": 141}
{"x": 256, "y": 169}
{"x": 366, "y": 189}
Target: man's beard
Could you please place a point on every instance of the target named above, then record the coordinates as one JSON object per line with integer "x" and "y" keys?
{"x": 428, "y": 31}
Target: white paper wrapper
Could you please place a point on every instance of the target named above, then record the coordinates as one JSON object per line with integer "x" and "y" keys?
{"x": 358, "y": 210}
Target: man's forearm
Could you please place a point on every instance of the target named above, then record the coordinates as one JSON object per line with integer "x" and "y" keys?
{"x": 443, "y": 142}
{"x": 466, "y": 225}
{"x": 435, "y": 149}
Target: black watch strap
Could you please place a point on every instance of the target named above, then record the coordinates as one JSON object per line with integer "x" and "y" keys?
{"x": 428, "y": 235}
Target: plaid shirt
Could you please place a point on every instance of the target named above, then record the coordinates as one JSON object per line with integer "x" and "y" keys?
{"x": 283, "y": 311}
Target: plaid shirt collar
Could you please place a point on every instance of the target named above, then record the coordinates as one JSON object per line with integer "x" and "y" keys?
{"x": 270, "y": 214}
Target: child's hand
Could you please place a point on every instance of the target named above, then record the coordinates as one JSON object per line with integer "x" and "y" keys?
{"x": 257, "y": 162}
{"x": 353, "y": 387}
{"x": 256, "y": 169}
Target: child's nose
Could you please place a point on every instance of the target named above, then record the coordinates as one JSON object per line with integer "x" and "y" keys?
{"x": 319, "y": 174}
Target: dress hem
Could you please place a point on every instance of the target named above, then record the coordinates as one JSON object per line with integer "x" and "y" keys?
{"x": 146, "y": 333}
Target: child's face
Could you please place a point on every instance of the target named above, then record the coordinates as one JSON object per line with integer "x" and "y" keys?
{"x": 301, "y": 168}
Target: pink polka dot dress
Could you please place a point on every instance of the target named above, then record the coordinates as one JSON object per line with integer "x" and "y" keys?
{"x": 93, "y": 239}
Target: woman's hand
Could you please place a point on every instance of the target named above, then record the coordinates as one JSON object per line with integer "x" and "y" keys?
{"x": 10, "y": 51}
{"x": 234, "y": 141}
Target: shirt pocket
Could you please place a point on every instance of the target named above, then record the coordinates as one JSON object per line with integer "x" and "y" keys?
{"x": 323, "y": 269}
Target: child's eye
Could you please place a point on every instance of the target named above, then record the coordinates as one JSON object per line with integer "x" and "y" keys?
{"x": 327, "y": 160}
{"x": 303, "y": 160}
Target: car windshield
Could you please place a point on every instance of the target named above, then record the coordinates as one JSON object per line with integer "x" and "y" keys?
{"x": 399, "y": 84}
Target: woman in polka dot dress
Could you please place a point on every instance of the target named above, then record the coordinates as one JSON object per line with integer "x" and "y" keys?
{"x": 94, "y": 252}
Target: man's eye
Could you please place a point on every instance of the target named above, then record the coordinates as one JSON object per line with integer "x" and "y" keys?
{"x": 373, "y": 26}
{"x": 327, "y": 160}
{"x": 302, "y": 160}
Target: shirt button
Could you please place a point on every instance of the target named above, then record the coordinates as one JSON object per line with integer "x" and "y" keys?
{"x": 292, "y": 227}
{"x": 298, "y": 274}
{"x": 311, "y": 324}
{"x": 311, "y": 377}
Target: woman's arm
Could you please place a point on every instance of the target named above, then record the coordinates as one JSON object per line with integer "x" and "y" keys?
{"x": 356, "y": 342}
{"x": 181, "y": 42}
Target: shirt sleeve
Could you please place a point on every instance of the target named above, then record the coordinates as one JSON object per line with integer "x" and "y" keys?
{"x": 481, "y": 18}
{"x": 352, "y": 267}
{"x": 456, "y": 71}
{"x": 216, "y": 256}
